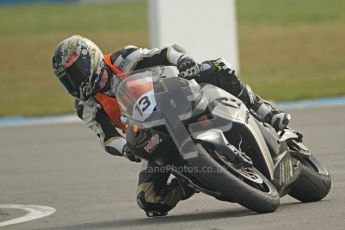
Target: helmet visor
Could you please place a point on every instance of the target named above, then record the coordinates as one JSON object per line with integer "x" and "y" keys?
{"x": 74, "y": 75}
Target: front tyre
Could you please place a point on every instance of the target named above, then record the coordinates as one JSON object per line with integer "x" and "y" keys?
{"x": 242, "y": 188}
{"x": 314, "y": 182}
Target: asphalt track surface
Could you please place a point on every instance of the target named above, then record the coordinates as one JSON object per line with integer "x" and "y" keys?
{"x": 64, "y": 167}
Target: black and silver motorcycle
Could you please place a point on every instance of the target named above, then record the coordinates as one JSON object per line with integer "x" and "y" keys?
{"x": 213, "y": 142}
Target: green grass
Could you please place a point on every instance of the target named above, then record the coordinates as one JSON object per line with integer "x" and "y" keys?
{"x": 293, "y": 49}
{"x": 288, "y": 49}
{"x": 29, "y": 35}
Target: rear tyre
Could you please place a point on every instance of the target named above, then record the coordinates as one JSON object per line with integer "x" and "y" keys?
{"x": 314, "y": 182}
{"x": 260, "y": 197}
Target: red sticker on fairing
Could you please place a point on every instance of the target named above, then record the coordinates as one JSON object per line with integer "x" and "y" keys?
{"x": 152, "y": 144}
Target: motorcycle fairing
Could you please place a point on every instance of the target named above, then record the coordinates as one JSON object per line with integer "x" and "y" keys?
{"x": 229, "y": 110}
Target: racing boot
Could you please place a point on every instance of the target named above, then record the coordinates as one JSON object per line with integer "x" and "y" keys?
{"x": 278, "y": 119}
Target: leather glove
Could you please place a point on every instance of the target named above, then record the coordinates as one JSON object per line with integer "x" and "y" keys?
{"x": 187, "y": 67}
{"x": 129, "y": 155}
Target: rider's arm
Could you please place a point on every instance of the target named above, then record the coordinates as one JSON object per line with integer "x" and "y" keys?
{"x": 96, "y": 119}
{"x": 132, "y": 58}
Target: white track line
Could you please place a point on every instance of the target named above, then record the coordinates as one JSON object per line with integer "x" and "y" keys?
{"x": 33, "y": 212}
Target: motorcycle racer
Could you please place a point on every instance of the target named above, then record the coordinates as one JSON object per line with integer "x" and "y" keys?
{"x": 92, "y": 78}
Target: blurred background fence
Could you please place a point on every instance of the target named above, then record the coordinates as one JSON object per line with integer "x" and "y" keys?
{"x": 14, "y": 2}
{"x": 288, "y": 49}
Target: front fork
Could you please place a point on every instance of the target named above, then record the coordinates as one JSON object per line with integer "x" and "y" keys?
{"x": 216, "y": 138}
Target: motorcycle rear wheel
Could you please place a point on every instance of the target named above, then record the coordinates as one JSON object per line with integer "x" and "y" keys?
{"x": 314, "y": 182}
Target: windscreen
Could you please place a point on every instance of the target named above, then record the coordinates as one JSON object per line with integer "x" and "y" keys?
{"x": 155, "y": 97}
{"x": 148, "y": 92}
{"x": 136, "y": 93}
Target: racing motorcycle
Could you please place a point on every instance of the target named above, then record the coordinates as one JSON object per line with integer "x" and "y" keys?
{"x": 211, "y": 141}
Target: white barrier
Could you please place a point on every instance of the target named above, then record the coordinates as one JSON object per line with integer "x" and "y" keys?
{"x": 205, "y": 28}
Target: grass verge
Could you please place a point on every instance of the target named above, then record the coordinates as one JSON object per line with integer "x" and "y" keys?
{"x": 288, "y": 50}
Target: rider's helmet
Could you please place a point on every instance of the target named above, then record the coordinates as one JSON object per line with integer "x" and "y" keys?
{"x": 78, "y": 64}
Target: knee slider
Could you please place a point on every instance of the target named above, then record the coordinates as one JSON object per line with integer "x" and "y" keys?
{"x": 141, "y": 200}
{"x": 151, "y": 207}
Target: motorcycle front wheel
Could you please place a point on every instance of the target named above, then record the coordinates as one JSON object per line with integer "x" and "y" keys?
{"x": 243, "y": 185}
